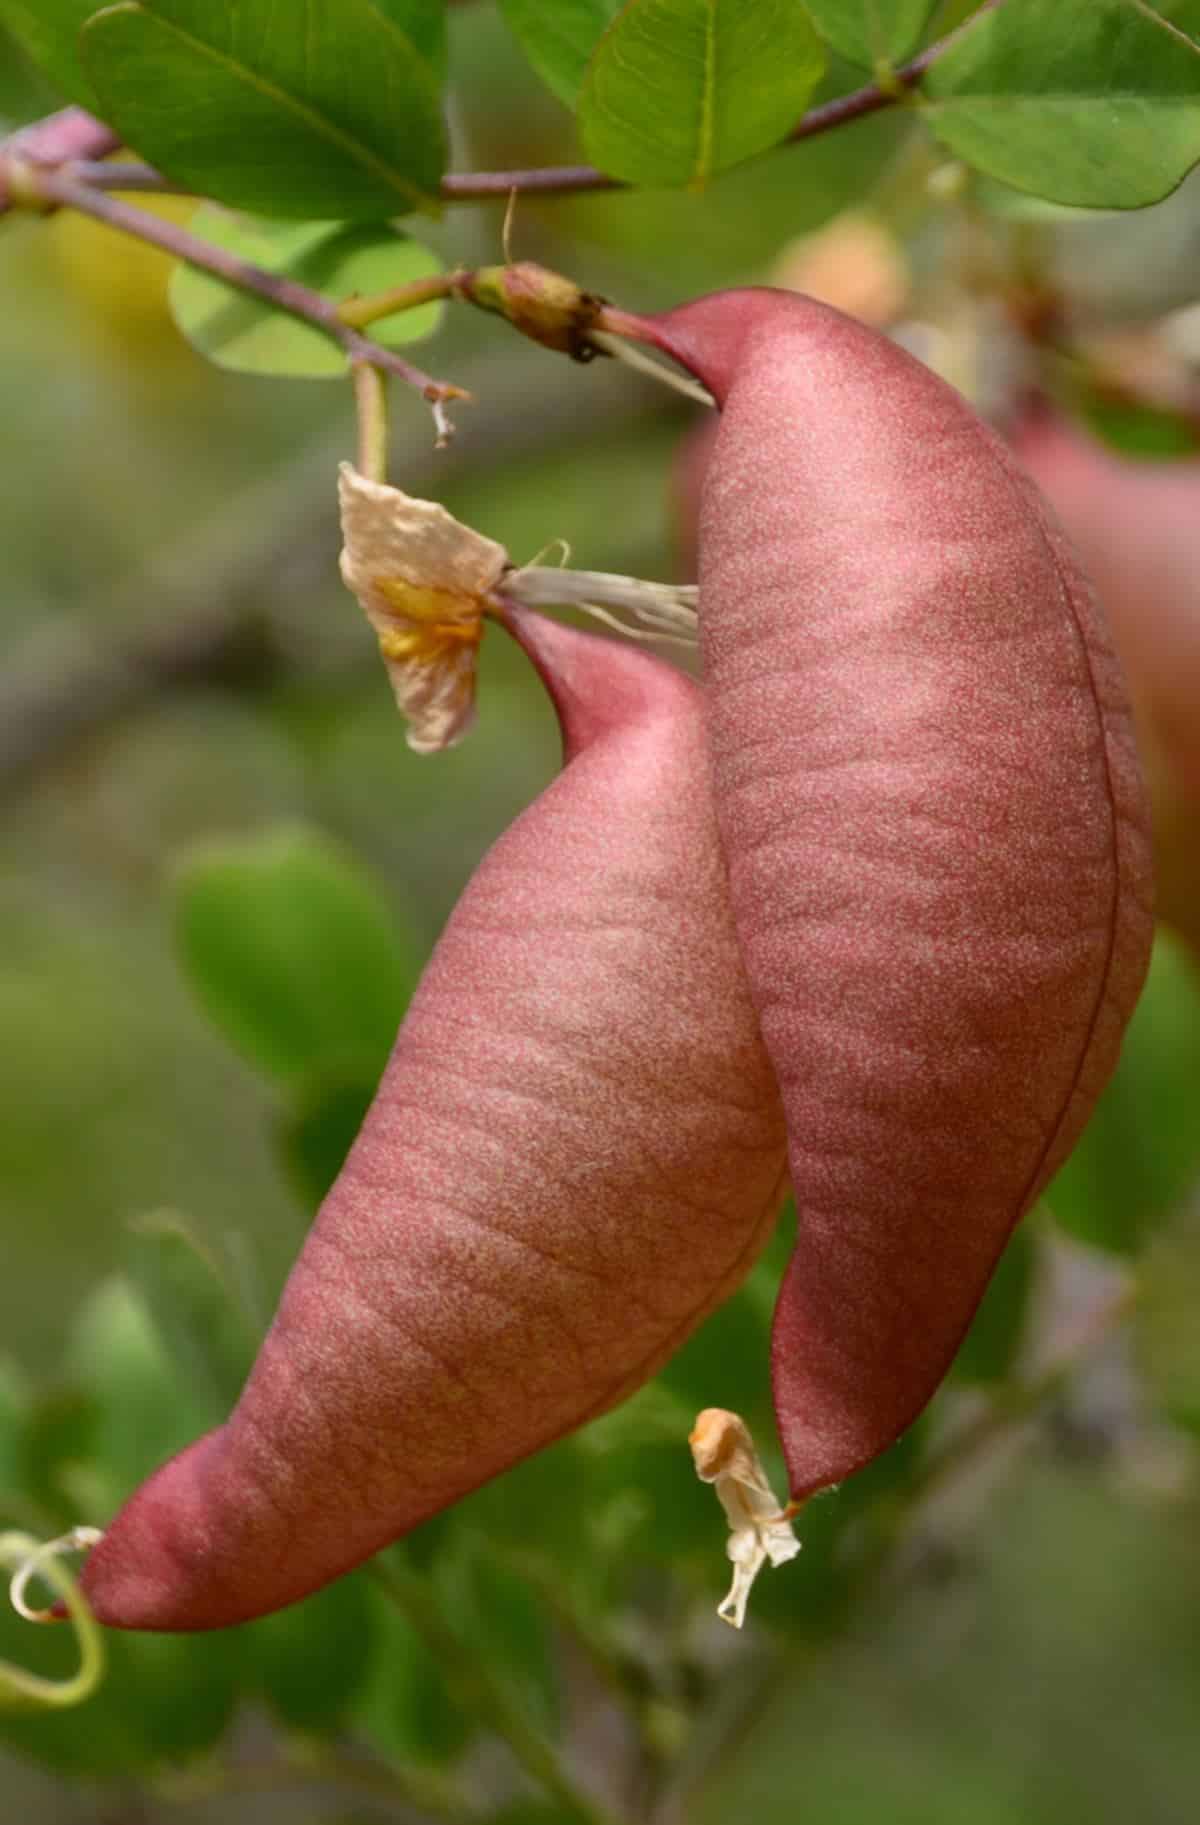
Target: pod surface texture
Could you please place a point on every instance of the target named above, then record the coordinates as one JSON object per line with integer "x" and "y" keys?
{"x": 932, "y": 812}
{"x": 576, "y": 1152}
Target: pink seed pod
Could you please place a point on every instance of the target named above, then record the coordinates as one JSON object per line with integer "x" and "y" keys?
{"x": 854, "y": 263}
{"x": 576, "y": 1152}
{"x": 930, "y": 803}
{"x": 1136, "y": 525}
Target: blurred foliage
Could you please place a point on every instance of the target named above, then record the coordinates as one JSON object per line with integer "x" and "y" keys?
{"x": 1109, "y": 67}
{"x": 1168, "y": 1336}
{"x": 212, "y": 913}
{"x": 246, "y": 335}
{"x": 1141, "y": 1153}
{"x": 1152, "y": 433}
{"x": 293, "y": 956}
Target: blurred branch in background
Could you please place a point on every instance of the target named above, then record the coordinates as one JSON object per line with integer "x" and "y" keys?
{"x": 216, "y": 607}
{"x": 310, "y": 1768}
{"x": 485, "y": 1694}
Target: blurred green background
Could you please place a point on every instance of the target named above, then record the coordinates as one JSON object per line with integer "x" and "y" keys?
{"x": 190, "y": 704}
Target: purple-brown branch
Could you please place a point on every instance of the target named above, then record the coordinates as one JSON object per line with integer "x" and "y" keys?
{"x": 480, "y": 186}
{"x": 59, "y": 139}
{"x": 58, "y": 187}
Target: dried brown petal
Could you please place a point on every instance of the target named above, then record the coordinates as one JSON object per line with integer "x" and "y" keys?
{"x": 760, "y": 1531}
{"x": 421, "y": 577}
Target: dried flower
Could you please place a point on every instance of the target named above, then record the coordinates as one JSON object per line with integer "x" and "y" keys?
{"x": 760, "y": 1531}
{"x": 422, "y": 577}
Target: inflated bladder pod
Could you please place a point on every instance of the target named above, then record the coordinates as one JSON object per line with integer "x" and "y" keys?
{"x": 575, "y": 1153}
{"x": 931, "y": 808}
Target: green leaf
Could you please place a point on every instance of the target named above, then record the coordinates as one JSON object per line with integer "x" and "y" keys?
{"x": 181, "y": 1689}
{"x": 164, "y": 1698}
{"x": 115, "y": 1352}
{"x": 500, "y": 1510}
{"x": 558, "y": 37}
{"x": 404, "y": 1709}
{"x": 497, "y": 1612}
{"x": 250, "y": 336}
{"x": 335, "y": 115}
{"x": 423, "y": 23}
{"x": 1018, "y": 206}
{"x": 1166, "y": 1331}
{"x": 739, "y": 222}
{"x": 1141, "y": 1151}
{"x": 316, "y": 1135}
{"x": 989, "y": 1350}
{"x": 293, "y": 953}
{"x": 1097, "y": 105}
{"x": 678, "y": 90}
{"x": 48, "y": 32}
{"x": 1148, "y": 432}
{"x": 54, "y": 1454}
{"x": 873, "y": 33}
{"x": 311, "y": 1660}
{"x": 202, "y": 1330}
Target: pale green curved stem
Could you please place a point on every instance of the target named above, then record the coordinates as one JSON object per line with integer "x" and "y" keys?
{"x": 24, "y": 1556}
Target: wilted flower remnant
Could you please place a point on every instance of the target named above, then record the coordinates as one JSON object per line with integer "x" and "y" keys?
{"x": 421, "y": 576}
{"x": 425, "y": 581}
{"x": 760, "y": 1531}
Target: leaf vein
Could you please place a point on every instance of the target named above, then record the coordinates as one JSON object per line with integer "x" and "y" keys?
{"x": 319, "y": 123}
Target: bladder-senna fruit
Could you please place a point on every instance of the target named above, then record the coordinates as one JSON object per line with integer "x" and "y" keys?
{"x": 892, "y": 869}
{"x": 576, "y": 1152}
{"x": 930, "y": 804}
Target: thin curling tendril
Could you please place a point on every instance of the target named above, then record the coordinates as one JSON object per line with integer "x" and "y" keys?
{"x": 28, "y": 1558}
